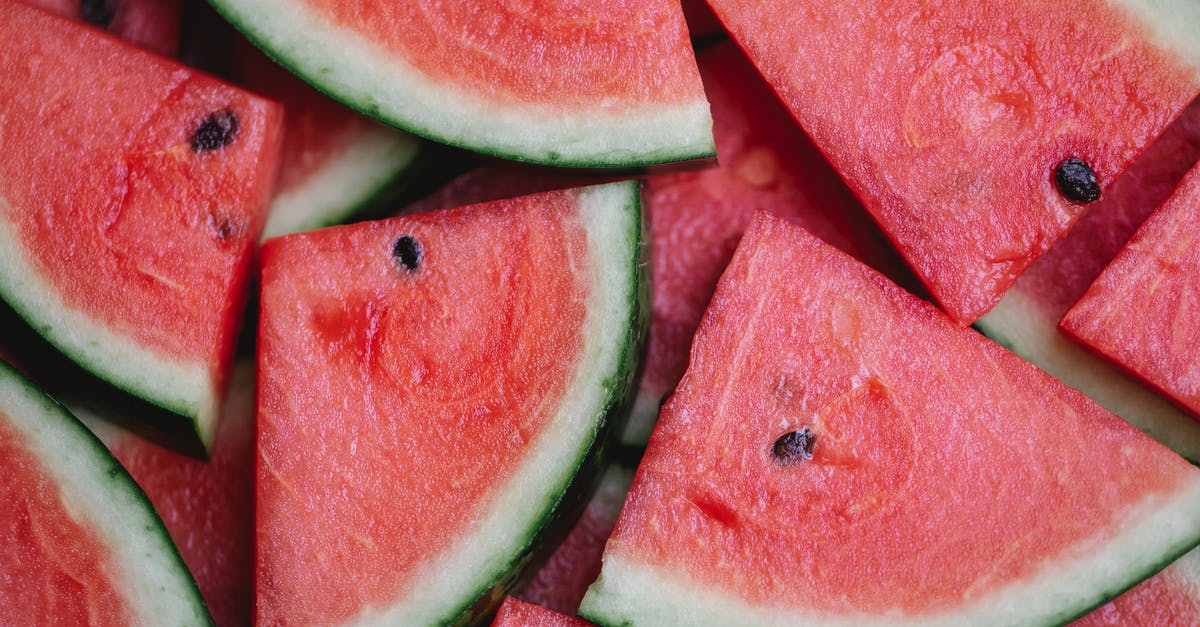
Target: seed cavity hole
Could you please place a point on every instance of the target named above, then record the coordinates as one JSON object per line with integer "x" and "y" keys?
{"x": 794, "y": 447}
{"x": 1076, "y": 181}
{"x": 98, "y": 12}
{"x": 408, "y": 253}
{"x": 216, "y": 131}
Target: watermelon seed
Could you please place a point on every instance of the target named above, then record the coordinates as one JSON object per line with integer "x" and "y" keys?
{"x": 216, "y": 131}
{"x": 408, "y": 252}
{"x": 794, "y": 447}
{"x": 1076, "y": 181}
{"x": 97, "y": 12}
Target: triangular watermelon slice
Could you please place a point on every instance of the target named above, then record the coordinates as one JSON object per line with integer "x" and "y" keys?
{"x": 839, "y": 451}
{"x": 517, "y": 613}
{"x": 600, "y": 84}
{"x": 1026, "y": 320}
{"x": 429, "y": 386}
{"x": 976, "y": 132}
{"x": 1143, "y": 312}
{"x": 149, "y": 24}
{"x": 130, "y": 202}
{"x": 80, "y": 542}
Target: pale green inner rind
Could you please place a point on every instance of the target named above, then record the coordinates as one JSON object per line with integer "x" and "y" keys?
{"x": 1151, "y": 534}
{"x": 509, "y": 527}
{"x": 1019, "y": 324}
{"x": 1173, "y": 24}
{"x": 365, "y": 76}
{"x": 345, "y": 182}
{"x": 183, "y": 388}
{"x": 97, "y": 493}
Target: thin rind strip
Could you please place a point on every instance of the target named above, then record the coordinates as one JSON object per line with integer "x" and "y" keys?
{"x": 98, "y": 493}
{"x": 347, "y": 67}
{"x": 1156, "y": 532}
{"x": 460, "y": 575}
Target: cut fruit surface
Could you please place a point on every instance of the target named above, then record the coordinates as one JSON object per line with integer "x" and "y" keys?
{"x": 976, "y": 133}
{"x": 82, "y": 541}
{"x": 132, "y": 260}
{"x": 1026, "y": 320}
{"x": 830, "y": 422}
{"x": 561, "y": 83}
{"x": 149, "y": 24}
{"x": 1143, "y": 312}
{"x": 517, "y": 613}
{"x": 1172, "y": 597}
{"x": 207, "y": 507}
{"x": 488, "y": 348}
{"x": 335, "y": 162}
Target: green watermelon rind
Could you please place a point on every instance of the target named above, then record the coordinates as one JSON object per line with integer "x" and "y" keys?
{"x": 298, "y": 41}
{"x": 628, "y": 593}
{"x": 181, "y": 388}
{"x": 614, "y": 338}
{"x": 1021, "y": 326}
{"x": 95, "y": 484}
{"x": 348, "y": 185}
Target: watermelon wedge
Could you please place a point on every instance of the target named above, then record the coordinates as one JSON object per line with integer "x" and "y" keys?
{"x": 841, "y": 452}
{"x": 598, "y": 84}
{"x": 335, "y": 163}
{"x": 207, "y": 507}
{"x": 428, "y": 388}
{"x": 149, "y": 24}
{"x": 517, "y": 613}
{"x": 976, "y": 132}
{"x": 133, "y": 261}
{"x": 81, "y": 545}
{"x": 1172, "y": 597}
{"x": 1026, "y": 320}
{"x": 1143, "y": 312}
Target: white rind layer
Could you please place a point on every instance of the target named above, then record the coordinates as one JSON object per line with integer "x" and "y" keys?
{"x": 98, "y": 494}
{"x": 345, "y": 182}
{"x": 455, "y": 578}
{"x": 1018, "y": 323}
{"x": 352, "y": 69}
{"x": 187, "y": 389}
{"x": 1157, "y": 531}
{"x": 1173, "y": 24}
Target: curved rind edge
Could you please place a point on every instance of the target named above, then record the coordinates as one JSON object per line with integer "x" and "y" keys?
{"x": 88, "y": 476}
{"x": 302, "y": 48}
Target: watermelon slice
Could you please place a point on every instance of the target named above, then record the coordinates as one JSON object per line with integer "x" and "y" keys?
{"x": 423, "y": 407}
{"x": 149, "y": 24}
{"x": 1143, "y": 312}
{"x": 1172, "y": 597}
{"x": 81, "y": 545}
{"x": 589, "y": 84}
{"x": 208, "y": 507}
{"x": 563, "y": 580}
{"x": 336, "y": 163}
{"x": 976, "y": 132}
{"x": 697, "y": 218}
{"x": 841, "y": 452}
{"x": 517, "y": 613}
{"x": 133, "y": 261}
{"x": 1026, "y": 320}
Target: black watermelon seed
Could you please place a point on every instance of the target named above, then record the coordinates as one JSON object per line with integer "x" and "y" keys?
{"x": 1076, "y": 181}
{"x": 98, "y": 12}
{"x": 216, "y": 131}
{"x": 408, "y": 252}
{"x": 794, "y": 447}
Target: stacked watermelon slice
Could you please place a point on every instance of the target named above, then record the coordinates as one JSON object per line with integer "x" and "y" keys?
{"x": 462, "y": 402}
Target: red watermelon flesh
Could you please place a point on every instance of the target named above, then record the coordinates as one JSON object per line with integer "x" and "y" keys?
{"x": 841, "y": 451}
{"x": 138, "y": 269}
{"x": 56, "y": 568}
{"x": 517, "y": 613}
{"x": 208, "y": 507}
{"x": 1143, "y": 311}
{"x": 949, "y": 120}
{"x": 1171, "y": 597}
{"x": 150, "y": 24}
{"x": 563, "y": 580}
